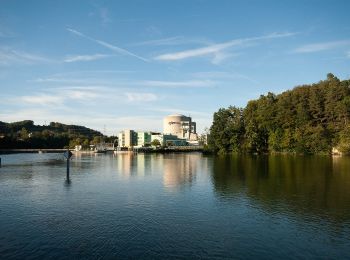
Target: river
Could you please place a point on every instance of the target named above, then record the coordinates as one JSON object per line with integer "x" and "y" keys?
{"x": 184, "y": 205}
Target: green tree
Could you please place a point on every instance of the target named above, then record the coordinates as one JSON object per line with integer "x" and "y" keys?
{"x": 155, "y": 142}
{"x": 24, "y": 135}
{"x": 227, "y": 131}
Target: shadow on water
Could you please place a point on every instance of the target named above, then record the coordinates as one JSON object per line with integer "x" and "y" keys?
{"x": 306, "y": 185}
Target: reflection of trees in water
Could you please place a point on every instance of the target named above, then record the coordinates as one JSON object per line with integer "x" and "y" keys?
{"x": 302, "y": 184}
{"x": 179, "y": 170}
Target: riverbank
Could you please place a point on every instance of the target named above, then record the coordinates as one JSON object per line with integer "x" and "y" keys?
{"x": 9, "y": 151}
{"x": 171, "y": 149}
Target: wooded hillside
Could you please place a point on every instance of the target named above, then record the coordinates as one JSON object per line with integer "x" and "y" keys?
{"x": 308, "y": 119}
{"x": 25, "y": 134}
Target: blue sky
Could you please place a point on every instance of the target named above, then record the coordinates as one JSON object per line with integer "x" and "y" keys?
{"x": 127, "y": 64}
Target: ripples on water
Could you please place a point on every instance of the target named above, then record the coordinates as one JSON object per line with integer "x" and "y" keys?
{"x": 174, "y": 206}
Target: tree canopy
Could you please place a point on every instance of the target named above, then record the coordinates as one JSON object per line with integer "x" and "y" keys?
{"x": 25, "y": 135}
{"x": 308, "y": 119}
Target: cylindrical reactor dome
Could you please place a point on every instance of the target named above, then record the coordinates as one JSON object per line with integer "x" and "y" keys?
{"x": 174, "y": 124}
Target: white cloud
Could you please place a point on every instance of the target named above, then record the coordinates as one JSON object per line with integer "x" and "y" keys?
{"x": 58, "y": 96}
{"x": 322, "y": 46}
{"x": 85, "y": 57}
{"x": 107, "y": 45}
{"x": 140, "y": 97}
{"x": 348, "y": 54}
{"x": 216, "y": 48}
{"x": 10, "y": 56}
{"x": 220, "y": 57}
{"x": 42, "y": 99}
{"x": 59, "y": 80}
{"x": 175, "y": 84}
{"x": 77, "y": 94}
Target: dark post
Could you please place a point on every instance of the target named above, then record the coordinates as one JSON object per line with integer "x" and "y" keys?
{"x": 68, "y": 168}
{"x": 67, "y": 155}
{"x": 0, "y": 162}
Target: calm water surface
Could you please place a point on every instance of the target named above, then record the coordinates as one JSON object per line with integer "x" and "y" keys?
{"x": 174, "y": 206}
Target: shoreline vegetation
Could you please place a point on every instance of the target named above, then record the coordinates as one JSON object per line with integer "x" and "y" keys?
{"x": 26, "y": 135}
{"x": 309, "y": 119}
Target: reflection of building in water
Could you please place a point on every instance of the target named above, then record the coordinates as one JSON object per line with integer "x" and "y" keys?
{"x": 140, "y": 164}
{"x": 179, "y": 170}
{"x": 130, "y": 164}
{"x": 125, "y": 163}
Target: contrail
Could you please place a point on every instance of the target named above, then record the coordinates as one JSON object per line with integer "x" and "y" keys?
{"x": 107, "y": 45}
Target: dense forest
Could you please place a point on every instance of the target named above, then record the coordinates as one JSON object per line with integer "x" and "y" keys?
{"x": 25, "y": 135}
{"x": 309, "y": 119}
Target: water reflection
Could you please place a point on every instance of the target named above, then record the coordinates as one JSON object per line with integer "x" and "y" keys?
{"x": 292, "y": 184}
{"x": 154, "y": 206}
{"x": 125, "y": 163}
{"x": 179, "y": 170}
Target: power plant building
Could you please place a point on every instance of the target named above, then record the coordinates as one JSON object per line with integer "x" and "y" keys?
{"x": 181, "y": 126}
{"x": 179, "y": 130}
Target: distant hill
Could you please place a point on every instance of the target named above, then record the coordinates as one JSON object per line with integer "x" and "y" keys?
{"x": 308, "y": 119}
{"x": 25, "y": 134}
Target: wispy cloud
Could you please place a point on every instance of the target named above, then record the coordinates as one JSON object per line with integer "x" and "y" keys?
{"x": 77, "y": 58}
{"x": 176, "y": 40}
{"x": 164, "y": 41}
{"x": 42, "y": 99}
{"x": 217, "y": 48}
{"x": 66, "y": 96}
{"x": 107, "y": 45}
{"x": 140, "y": 97}
{"x": 222, "y": 75}
{"x": 348, "y": 54}
{"x": 219, "y": 57}
{"x": 58, "y": 96}
{"x": 10, "y": 56}
{"x": 321, "y": 46}
{"x": 176, "y": 84}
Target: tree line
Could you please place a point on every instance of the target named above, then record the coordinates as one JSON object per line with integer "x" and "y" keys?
{"x": 26, "y": 135}
{"x": 309, "y": 119}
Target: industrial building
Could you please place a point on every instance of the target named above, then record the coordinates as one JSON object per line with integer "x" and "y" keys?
{"x": 127, "y": 138}
{"x": 181, "y": 126}
{"x": 144, "y": 139}
{"x": 179, "y": 130}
